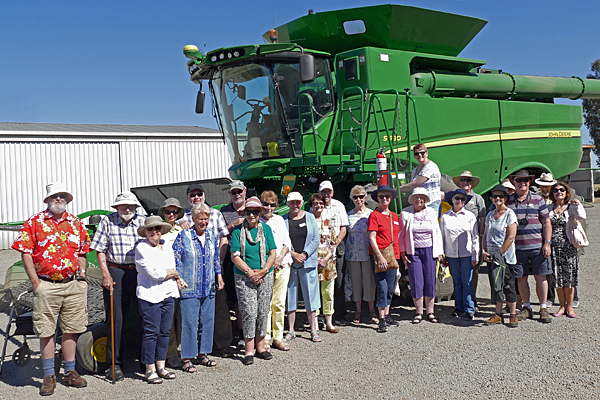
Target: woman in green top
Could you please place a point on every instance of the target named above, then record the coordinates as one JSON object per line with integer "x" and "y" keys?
{"x": 253, "y": 252}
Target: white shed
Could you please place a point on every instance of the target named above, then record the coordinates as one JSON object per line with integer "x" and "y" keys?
{"x": 98, "y": 161}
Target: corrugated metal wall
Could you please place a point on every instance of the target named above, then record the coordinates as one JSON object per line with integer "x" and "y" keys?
{"x": 96, "y": 172}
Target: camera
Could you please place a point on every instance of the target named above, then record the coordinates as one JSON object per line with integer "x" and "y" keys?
{"x": 523, "y": 221}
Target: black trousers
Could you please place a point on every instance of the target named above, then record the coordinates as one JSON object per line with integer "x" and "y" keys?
{"x": 124, "y": 299}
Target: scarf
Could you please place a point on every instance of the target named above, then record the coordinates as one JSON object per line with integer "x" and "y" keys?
{"x": 260, "y": 238}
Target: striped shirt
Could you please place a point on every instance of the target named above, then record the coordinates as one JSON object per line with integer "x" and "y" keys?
{"x": 118, "y": 238}
{"x": 529, "y": 237}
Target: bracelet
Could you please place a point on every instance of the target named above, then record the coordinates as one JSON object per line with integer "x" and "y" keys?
{"x": 247, "y": 271}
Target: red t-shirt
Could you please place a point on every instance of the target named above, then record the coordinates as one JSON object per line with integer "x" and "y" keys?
{"x": 380, "y": 223}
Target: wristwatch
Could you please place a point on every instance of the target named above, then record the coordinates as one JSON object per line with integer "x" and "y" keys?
{"x": 548, "y": 241}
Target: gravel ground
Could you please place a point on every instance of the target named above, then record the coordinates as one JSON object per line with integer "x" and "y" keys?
{"x": 449, "y": 360}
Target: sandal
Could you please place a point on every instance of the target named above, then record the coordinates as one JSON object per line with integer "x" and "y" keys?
{"x": 374, "y": 317}
{"x": 432, "y": 318}
{"x": 357, "y": 317}
{"x": 417, "y": 319}
{"x": 291, "y": 335}
{"x": 281, "y": 345}
{"x": 315, "y": 337}
{"x": 152, "y": 377}
{"x": 188, "y": 367}
{"x": 163, "y": 373}
{"x": 207, "y": 362}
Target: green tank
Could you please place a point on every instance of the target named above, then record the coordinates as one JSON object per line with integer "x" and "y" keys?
{"x": 328, "y": 90}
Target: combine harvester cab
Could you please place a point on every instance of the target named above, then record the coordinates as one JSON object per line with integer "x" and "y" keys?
{"x": 386, "y": 77}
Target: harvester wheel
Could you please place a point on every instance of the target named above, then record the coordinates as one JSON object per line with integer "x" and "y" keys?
{"x": 91, "y": 347}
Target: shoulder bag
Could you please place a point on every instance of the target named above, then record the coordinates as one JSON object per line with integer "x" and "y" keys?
{"x": 388, "y": 252}
{"x": 578, "y": 237}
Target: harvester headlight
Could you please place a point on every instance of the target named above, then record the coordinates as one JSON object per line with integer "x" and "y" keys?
{"x": 221, "y": 56}
{"x": 213, "y": 58}
{"x": 236, "y": 53}
{"x": 229, "y": 55}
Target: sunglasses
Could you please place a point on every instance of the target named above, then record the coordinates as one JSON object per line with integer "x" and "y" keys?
{"x": 522, "y": 180}
{"x": 556, "y": 190}
{"x": 153, "y": 228}
{"x": 384, "y": 196}
{"x": 272, "y": 205}
{"x": 358, "y": 196}
{"x": 59, "y": 195}
{"x": 318, "y": 203}
{"x": 170, "y": 212}
{"x": 497, "y": 196}
{"x": 236, "y": 192}
{"x": 192, "y": 195}
{"x": 459, "y": 198}
{"x": 420, "y": 153}
{"x": 254, "y": 212}
{"x": 469, "y": 180}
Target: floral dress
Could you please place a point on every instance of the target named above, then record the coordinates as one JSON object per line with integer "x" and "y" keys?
{"x": 565, "y": 262}
{"x": 328, "y": 239}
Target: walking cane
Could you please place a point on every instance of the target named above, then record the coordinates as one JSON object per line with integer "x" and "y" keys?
{"x": 112, "y": 332}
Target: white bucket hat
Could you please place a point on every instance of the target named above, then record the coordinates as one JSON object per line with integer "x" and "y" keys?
{"x": 57, "y": 187}
{"x": 546, "y": 179}
{"x": 125, "y": 197}
{"x": 419, "y": 191}
{"x": 153, "y": 220}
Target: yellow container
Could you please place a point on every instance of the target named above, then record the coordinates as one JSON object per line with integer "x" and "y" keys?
{"x": 273, "y": 148}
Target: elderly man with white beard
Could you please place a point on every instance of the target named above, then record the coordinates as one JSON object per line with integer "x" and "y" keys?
{"x": 115, "y": 242}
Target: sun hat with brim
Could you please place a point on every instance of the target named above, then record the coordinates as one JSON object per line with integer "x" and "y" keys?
{"x": 236, "y": 185}
{"x": 419, "y": 191}
{"x": 294, "y": 196}
{"x": 522, "y": 173}
{"x": 171, "y": 202}
{"x": 55, "y": 188}
{"x": 546, "y": 179}
{"x": 126, "y": 197}
{"x": 450, "y": 195}
{"x": 252, "y": 202}
{"x": 507, "y": 184}
{"x": 383, "y": 188}
{"x": 500, "y": 188}
{"x": 466, "y": 174}
{"x": 152, "y": 221}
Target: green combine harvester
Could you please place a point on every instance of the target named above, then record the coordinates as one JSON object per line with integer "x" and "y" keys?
{"x": 329, "y": 90}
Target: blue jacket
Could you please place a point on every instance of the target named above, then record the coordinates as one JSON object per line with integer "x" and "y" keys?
{"x": 313, "y": 238}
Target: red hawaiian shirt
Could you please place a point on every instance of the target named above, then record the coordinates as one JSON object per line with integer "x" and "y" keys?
{"x": 54, "y": 245}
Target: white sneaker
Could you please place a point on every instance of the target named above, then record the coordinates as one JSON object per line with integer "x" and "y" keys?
{"x": 575, "y": 303}
{"x": 548, "y": 304}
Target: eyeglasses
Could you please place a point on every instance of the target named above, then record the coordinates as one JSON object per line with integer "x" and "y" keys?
{"x": 559, "y": 189}
{"x": 192, "y": 195}
{"x": 254, "y": 212}
{"x": 236, "y": 192}
{"x": 522, "y": 180}
{"x": 384, "y": 196}
{"x": 153, "y": 228}
{"x": 170, "y": 212}
{"x": 57, "y": 195}
{"x": 459, "y": 198}
{"x": 497, "y": 196}
{"x": 420, "y": 153}
{"x": 358, "y": 196}
{"x": 272, "y": 205}
{"x": 468, "y": 180}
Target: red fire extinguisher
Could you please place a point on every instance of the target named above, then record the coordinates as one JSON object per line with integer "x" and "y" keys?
{"x": 382, "y": 170}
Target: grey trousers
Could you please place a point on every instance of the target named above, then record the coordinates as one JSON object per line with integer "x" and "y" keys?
{"x": 255, "y": 303}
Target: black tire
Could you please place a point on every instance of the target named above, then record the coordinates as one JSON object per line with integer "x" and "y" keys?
{"x": 21, "y": 356}
{"x": 91, "y": 347}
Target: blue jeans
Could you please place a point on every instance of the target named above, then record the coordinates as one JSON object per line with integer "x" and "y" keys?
{"x": 197, "y": 325}
{"x": 461, "y": 270}
{"x": 157, "y": 319}
{"x": 384, "y": 282}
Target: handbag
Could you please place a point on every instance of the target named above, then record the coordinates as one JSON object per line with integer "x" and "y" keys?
{"x": 578, "y": 237}
{"x": 388, "y": 253}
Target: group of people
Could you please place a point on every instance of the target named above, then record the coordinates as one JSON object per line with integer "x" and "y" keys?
{"x": 180, "y": 271}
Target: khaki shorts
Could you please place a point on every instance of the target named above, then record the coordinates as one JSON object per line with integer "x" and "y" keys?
{"x": 67, "y": 299}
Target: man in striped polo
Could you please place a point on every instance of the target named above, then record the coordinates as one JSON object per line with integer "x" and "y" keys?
{"x": 533, "y": 241}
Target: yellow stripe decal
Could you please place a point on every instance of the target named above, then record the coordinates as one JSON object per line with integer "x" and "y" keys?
{"x": 496, "y": 137}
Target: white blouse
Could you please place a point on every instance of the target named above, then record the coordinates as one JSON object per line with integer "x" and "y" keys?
{"x": 152, "y": 263}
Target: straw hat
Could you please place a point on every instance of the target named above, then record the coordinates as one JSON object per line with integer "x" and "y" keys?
{"x": 546, "y": 179}
{"x": 522, "y": 173}
{"x": 419, "y": 191}
{"x": 507, "y": 184}
{"x": 151, "y": 221}
{"x": 57, "y": 187}
{"x": 466, "y": 174}
{"x": 125, "y": 197}
{"x": 171, "y": 201}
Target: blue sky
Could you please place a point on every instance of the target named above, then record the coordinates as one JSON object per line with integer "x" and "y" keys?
{"x": 121, "y": 62}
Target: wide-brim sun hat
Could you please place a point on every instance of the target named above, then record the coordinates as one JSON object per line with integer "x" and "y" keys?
{"x": 57, "y": 187}
{"x": 419, "y": 191}
{"x": 171, "y": 202}
{"x": 125, "y": 197}
{"x": 252, "y": 202}
{"x": 522, "y": 173}
{"x": 500, "y": 188}
{"x": 507, "y": 184}
{"x": 151, "y": 221}
{"x": 466, "y": 174}
{"x": 383, "y": 188}
{"x": 546, "y": 179}
{"x": 450, "y": 195}
{"x": 294, "y": 196}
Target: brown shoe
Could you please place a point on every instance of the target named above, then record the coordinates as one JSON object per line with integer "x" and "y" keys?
{"x": 73, "y": 379}
{"x": 493, "y": 320}
{"x": 48, "y": 385}
{"x": 525, "y": 313}
{"x": 545, "y": 316}
{"x": 513, "y": 321}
